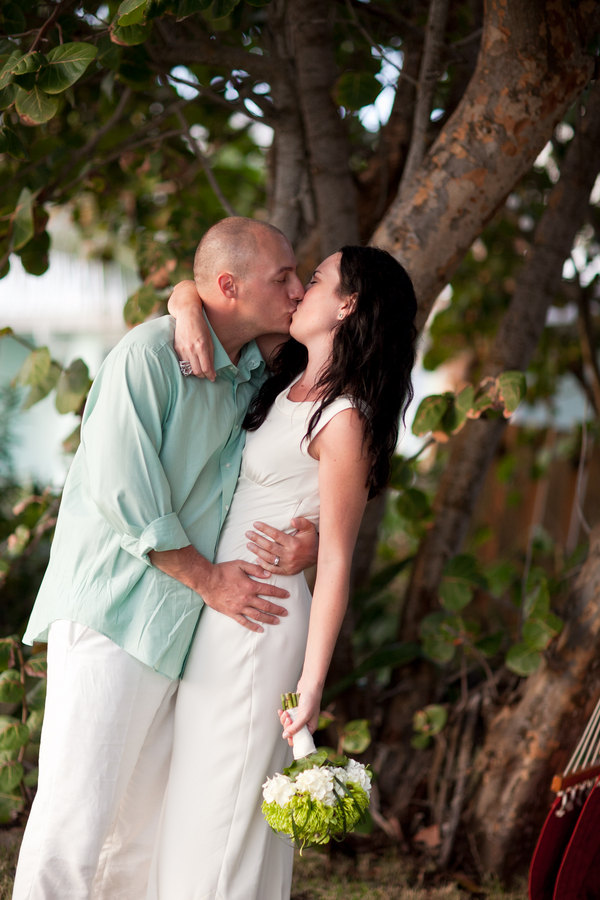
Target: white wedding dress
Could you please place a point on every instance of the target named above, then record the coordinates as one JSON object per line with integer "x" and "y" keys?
{"x": 213, "y": 843}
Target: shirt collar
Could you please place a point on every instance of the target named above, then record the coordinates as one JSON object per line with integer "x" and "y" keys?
{"x": 250, "y": 360}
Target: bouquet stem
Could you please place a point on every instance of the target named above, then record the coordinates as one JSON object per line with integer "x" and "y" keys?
{"x": 303, "y": 741}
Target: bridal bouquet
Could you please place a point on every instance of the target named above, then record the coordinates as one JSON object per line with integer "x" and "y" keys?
{"x": 320, "y": 796}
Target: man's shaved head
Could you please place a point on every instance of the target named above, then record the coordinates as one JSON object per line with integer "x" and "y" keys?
{"x": 229, "y": 246}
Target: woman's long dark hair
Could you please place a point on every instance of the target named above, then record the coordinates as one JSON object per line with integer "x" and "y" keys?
{"x": 372, "y": 358}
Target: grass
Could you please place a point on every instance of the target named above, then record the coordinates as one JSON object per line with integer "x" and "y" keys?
{"x": 10, "y": 841}
{"x": 318, "y": 877}
{"x": 372, "y": 877}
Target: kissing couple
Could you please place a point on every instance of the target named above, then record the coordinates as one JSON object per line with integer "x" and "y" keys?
{"x": 166, "y": 657}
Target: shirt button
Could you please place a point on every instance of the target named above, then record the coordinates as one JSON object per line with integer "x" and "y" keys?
{"x": 227, "y": 507}
{"x": 227, "y": 465}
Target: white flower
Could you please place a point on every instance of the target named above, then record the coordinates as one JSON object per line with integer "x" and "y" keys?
{"x": 340, "y": 774}
{"x": 280, "y": 789}
{"x": 357, "y": 774}
{"x": 318, "y": 783}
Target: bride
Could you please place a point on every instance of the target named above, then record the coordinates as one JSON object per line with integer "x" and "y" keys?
{"x": 320, "y": 436}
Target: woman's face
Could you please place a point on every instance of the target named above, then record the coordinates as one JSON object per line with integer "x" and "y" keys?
{"x": 319, "y": 313}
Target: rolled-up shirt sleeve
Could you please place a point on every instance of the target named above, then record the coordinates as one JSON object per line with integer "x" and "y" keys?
{"x": 121, "y": 438}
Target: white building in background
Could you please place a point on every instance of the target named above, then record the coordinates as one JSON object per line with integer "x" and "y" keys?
{"x": 76, "y": 310}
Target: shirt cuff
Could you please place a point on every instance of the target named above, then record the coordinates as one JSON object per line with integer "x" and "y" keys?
{"x": 165, "y": 533}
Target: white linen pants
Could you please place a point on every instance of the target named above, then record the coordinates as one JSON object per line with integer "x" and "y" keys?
{"x": 104, "y": 762}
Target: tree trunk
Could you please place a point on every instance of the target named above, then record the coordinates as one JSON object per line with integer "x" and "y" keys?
{"x": 328, "y": 145}
{"x": 530, "y": 742}
{"x": 292, "y": 206}
{"x": 532, "y": 65}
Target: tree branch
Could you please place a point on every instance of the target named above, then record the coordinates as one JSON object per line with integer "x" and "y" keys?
{"x": 60, "y": 7}
{"x": 210, "y": 175}
{"x": 201, "y": 49}
{"x": 428, "y": 76}
{"x": 376, "y": 46}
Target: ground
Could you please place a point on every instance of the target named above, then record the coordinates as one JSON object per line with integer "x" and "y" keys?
{"x": 316, "y": 877}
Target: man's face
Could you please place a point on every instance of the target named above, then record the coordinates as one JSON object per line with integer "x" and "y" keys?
{"x": 272, "y": 289}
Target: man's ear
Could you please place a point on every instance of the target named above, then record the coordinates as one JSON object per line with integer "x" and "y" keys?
{"x": 227, "y": 285}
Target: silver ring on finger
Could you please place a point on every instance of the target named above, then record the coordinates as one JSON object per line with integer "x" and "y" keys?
{"x": 277, "y": 561}
{"x": 186, "y": 367}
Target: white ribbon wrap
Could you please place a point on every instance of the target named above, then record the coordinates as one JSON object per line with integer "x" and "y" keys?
{"x": 303, "y": 741}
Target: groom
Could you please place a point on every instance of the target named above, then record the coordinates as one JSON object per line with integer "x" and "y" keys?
{"x": 131, "y": 566}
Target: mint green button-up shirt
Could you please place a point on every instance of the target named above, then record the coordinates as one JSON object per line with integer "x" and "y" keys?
{"x": 156, "y": 470}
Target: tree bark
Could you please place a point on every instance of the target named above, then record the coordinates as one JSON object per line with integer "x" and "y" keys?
{"x": 532, "y": 741}
{"x": 328, "y": 144}
{"x": 532, "y": 65}
{"x": 292, "y": 202}
{"x": 518, "y": 335}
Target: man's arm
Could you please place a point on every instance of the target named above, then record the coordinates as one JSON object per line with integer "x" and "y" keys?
{"x": 226, "y": 587}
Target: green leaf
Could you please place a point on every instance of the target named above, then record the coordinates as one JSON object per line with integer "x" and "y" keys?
{"x": 460, "y": 575}
{"x": 35, "y": 107}
{"x": 156, "y": 8}
{"x": 356, "y": 736}
{"x": 413, "y": 504}
{"x": 381, "y": 580}
{"x": 537, "y": 633}
{"x": 513, "y": 388}
{"x": 429, "y": 414}
{"x": 8, "y": 69}
{"x": 523, "y": 659}
{"x": 430, "y": 720}
{"x": 140, "y": 305}
{"x": 490, "y": 645}
{"x": 11, "y": 775}
{"x": 131, "y": 12}
{"x": 66, "y": 64}
{"x": 353, "y": 90}
{"x": 10, "y": 143}
{"x": 41, "y": 390}
{"x": 455, "y": 594}
{"x": 130, "y": 35}
{"x": 37, "y": 666}
{"x": 12, "y": 19}
{"x": 34, "y": 723}
{"x": 10, "y": 805}
{"x": 23, "y": 226}
{"x": 35, "y": 254}
{"x": 7, "y": 96}
{"x": 31, "y": 779}
{"x": 13, "y": 734}
{"x": 72, "y": 388}
{"x": 402, "y": 475}
{"x": 36, "y": 697}
{"x": 11, "y": 689}
{"x": 26, "y": 69}
{"x": 485, "y": 398}
{"x": 189, "y": 7}
{"x": 537, "y": 602}
{"x": 7, "y": 653}
{"x": 222, "y": 8}
{"x": 420, "y": 741}
{"x": 35, "y": 368}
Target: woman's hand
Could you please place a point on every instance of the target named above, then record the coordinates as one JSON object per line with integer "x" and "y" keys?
{"x": 309, "y": 708}
{"x": 192, "y": 340}
{"x": 294, "y": 552}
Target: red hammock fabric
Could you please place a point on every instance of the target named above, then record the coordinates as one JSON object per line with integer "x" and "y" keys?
{"x": 566, "y": 861}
